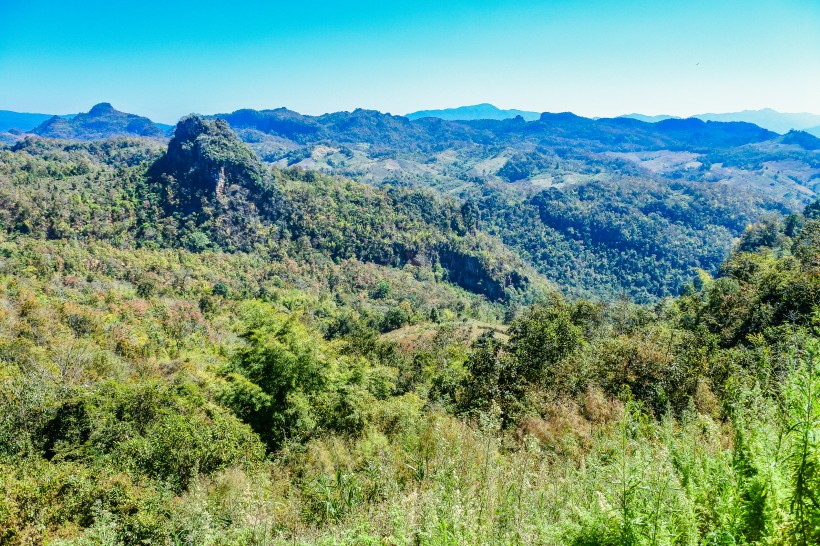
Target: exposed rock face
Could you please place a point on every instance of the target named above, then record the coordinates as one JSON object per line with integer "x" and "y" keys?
{"x": 204, "y": 159}
{"x": 101, "y": 122}
{"x": 213, "y": 183}
{"x": 467, "y": 270}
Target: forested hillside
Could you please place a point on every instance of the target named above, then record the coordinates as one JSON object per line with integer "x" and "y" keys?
{"x": 554, "y": 150}
{"x": 632, "y": 238}
{"x": 101, "y": 122}
{"x": 197, "y": 347}
{"x": 209, "y": 192}
{"x": 603, "y": 207}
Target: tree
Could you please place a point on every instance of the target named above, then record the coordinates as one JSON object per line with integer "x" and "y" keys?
{"x": 541, "y": 337}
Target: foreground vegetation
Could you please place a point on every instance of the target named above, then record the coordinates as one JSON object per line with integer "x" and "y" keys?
{"x": 255, "y": 357}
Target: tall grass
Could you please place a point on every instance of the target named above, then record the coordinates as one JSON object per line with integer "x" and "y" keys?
{"x": 802, "y": 405}
{"x": 580, "y": 477}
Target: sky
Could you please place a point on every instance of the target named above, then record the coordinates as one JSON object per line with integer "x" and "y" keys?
{"x": 168, "y": 58}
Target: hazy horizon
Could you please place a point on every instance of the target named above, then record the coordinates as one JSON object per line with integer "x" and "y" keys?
{"x": 174, "y": 121}
{"x": 595, "y": 58}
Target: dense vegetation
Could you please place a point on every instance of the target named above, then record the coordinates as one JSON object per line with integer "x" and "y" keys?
{"x": 387, "y": 131}
{"x": 196, "y": 348}
{"x": 638, "y": 205}
{"x": 604, "y": 207}
{"x": 638, "y": 238}
{"x": 209, "y": 192}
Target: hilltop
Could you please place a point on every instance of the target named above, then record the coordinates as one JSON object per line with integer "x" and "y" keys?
{"x": 101, "y": 122}
{"x": 477, "y": 111}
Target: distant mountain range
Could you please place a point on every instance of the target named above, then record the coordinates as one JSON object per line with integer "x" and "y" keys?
{"x": 101, "y": 122}
{"x": 23, "y": 121}
{"x": 767, "y": 118}
{"x": 382, "y": 132}
{"x": 779, "y": 122}
{"x": 475, "y": 112}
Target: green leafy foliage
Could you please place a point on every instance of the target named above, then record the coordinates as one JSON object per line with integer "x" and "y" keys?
{"x": 209, "y": 192}
{"x": 636, "y": 238}
{"x": 227, "y": 354}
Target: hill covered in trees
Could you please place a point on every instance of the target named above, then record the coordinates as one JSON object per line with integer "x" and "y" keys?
{"x": 197, "y": 347}
{"x": 554, "y": 150}
{"x": 101, "y": 122}
{"x": 208, "y": 191}
{"x": 597, "y": 222}
{"x": 639, "y": 206}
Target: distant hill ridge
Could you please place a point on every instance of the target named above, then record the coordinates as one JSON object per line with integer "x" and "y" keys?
{"x": 779, "y": 122}
{"x": 475, "y": 112}
{"x": 385, "y": 131}
{"x": 101, "y": 122}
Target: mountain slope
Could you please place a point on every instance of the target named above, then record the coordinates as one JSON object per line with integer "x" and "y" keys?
{"x": 208, "y": 192}
{"x": 101, "y": 122}
{"x": 22, "y": 120}
{"x": 630, "y": 194}
{"x": 397, "y": 132}
{"x": 158, "y": 395}
{"x": 555, "y": 149}
{"x": 623, "y": 184}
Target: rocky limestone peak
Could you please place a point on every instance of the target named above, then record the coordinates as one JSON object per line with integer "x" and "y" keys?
{"x": 102, "y": 109}
{"x": 204, "y": 157}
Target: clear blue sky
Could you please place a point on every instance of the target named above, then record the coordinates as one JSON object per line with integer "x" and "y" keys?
{"x": 168, "y": 58}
